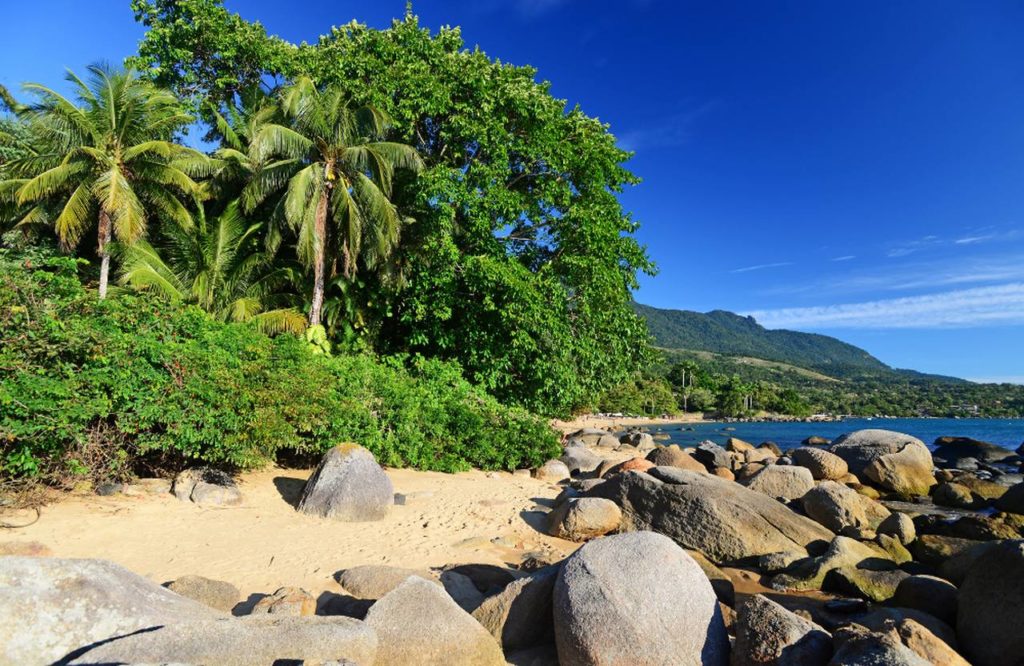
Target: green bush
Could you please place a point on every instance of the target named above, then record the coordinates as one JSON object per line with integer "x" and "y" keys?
{"x": 104, "y": 389}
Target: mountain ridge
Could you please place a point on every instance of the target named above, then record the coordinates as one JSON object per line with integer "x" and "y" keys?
{"x": 730, "y": 334}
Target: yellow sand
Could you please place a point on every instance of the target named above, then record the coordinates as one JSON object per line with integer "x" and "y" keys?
{"x": 265, "y": 543}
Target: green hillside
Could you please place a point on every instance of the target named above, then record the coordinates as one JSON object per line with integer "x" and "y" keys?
{"x": 729, "y": 334}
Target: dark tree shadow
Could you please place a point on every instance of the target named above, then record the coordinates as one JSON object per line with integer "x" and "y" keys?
{"x": 332, "y": 603}
{"x": 290, "y": 488}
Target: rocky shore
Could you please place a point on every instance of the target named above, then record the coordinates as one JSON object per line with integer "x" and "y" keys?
{"x": 871, "y": 549}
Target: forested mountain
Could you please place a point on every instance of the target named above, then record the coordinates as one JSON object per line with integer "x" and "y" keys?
{"x": 729, "y": 334}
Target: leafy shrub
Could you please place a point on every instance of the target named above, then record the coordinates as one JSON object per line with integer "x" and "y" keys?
{"x": 102, "y": 389}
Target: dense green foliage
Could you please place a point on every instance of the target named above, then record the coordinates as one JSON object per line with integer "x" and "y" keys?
{"x": 520, "y": 262}
{"x": 101, "y": 389}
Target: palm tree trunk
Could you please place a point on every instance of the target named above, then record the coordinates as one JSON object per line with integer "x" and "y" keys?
{"x": 104, "y": 252}
{"x": 319, "y": 249}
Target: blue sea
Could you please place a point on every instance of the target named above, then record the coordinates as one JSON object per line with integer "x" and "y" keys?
{"x": 1004, "y": 432}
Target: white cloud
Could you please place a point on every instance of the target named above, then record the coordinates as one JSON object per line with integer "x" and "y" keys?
{"x": 981, "y": 306}
{"x": 971, "y": 240}
{"x": 845, "y": 257}
{"x": 758, "y": 267}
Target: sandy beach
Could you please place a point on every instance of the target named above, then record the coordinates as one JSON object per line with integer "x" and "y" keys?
{"x": 265, "y": 543}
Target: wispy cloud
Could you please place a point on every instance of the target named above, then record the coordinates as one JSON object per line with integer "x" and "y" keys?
{"x": 904, "y": 248}
{"x": 759, "y": 267}
{"x": 972, "y": 240}
{"x": 846, "y": 257}
{"x": 981, "y": 306}
{"x": 668, "y": 131}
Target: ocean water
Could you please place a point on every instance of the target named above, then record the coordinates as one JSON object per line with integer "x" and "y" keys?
{"x": 1004, "y": 432}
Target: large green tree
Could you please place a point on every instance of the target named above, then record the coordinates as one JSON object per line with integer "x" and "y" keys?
{"x": 104, "y": 162}
{"x": 338, "y": 171}
{"x": 522, "y": 261}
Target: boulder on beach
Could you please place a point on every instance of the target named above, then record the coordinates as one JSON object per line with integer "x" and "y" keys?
{"x": 810, "y": 573}
{"x": 580, "y": 459}
{"x": 712, "y": 455}
{"x": 892, "y": 460}
{"x": 769, "y": 635}
{"x": 594, "y": 437}
{"x": 637, "y": 598}
{"x": 520, "y": 615}
{"x": 348, "y": 485}
{"x": 373, "y": 581}
{"x": 214, "y": 593}
{"x": 719, "y": 518}
{"x": 822, "y": 464}
{"x": 1012, "y": 500}
{"x": 287, "y": 602}
{"x": 781, "y": 482}
{"x": 928, "y": 594}
{"x": 552, "y": 471}
{"x": 674, "y": 456}
{"x": 207, "y": 486}
{"x": 900, "y": 526}
{"x": 418, "y": 623}
{"x": 839, "y": 508}
{"x": 857, "y": 646}
{"x": 583, "y": 518}
{"x": 241, "y": 642}
{"x": 991, "y": 606}
{"x": 40, "y": 623}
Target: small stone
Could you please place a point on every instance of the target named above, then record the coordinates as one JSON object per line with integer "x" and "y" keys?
{"x": 107, "y": 489}
{"x": 405, "y": 499}
{"x": 373, "y": 581}
{"x": 581, "y": 519}
{"x": 953, "y": 495}
{"x": 214, "y": 593}
{"x": 207, "y": 486}
{"x": 928, "y": 594}
{"x": 898, "y": 525}
{"x": 287, "y": 602}
{"x": 349, "y": 486}
{"x": 822, "y": 464}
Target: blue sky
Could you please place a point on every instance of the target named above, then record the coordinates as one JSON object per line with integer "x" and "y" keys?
{"x": 855, "y": 169}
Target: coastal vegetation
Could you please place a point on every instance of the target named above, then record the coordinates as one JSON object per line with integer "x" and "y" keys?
{"x": 381, "y": 237}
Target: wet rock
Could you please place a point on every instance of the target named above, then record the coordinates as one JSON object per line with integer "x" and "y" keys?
{"x": 933, "y": 549}
{"x": 953, "y": 495}
{"x": 214, "y": 593}
{"x": 843, "y": 552}
{"x": 815, "y": 440}
{"x": 877, "y": 586}
{"x": 418, "y": 623}
{"x": 348, "y": 485}
{"x": 636, "y": 599}
{"x": 954, "y": 449}
{"x": 1013, "y": 499}
{"x": 991, "y": 606}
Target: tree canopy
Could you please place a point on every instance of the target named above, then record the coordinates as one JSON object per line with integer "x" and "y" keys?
{"x": 521, "y": 260}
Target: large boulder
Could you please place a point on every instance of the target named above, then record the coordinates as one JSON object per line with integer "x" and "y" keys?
{"x": 241, "y": 642}
{"x": 583, "y": 518}
{"x": 857, "y": 646}
{"x": 823, "y": 465}
{"x": 892, "y": 460}
{"x": 520, "y": 615}
{"x": 637, "y": 599}
{"x": 217, "y": 594}
{"x": 781, "y": 482}
{"x": 839, "y": 508}
{"x": 1012, "y": 500}
{"x": 418, "y": 623}
{"x": 842, "y": 553}
{"x": 50, "y": 607}
{"x": 674, "y": 456}
{"x": 719, "y": 518}
{"x": 954, "y": 449}
{"x": 712, "y": 455}
{"x": 348, "y": 485}
{"x": 928, "y": 594}
{"x": 899, "y": 526}
{"x": 991, "y": 607}
{"x": 769, "y": 635}
{"x": 594, "y": 437}
{"x": 552, "y": 471}
{"x": 373, "y": 581}
{"x": 579, "y": 458}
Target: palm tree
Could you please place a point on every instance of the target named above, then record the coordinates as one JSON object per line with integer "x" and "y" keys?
{"x": 105, "y": 160}
{"x": 337, "y": 174}
{"x": 219, "y": 267}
